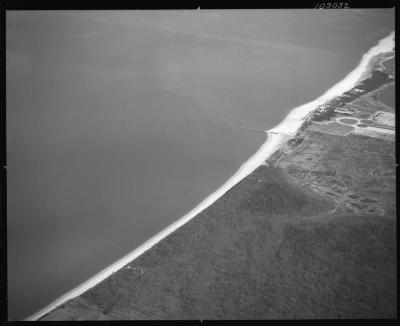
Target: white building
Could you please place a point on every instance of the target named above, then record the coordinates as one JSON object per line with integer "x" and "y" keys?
{"x": 344, "y": 111}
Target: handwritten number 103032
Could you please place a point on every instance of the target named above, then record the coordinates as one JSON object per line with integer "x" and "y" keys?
{"x": 332, "y": 5}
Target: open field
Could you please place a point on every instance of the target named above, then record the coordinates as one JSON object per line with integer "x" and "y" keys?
{"x": 357, "y": 172}
{"x": 349, "y": 121}
{"x": 385, "y": 118}
{"x": 362, "y": 115}
{"x": 376, "y": 119}
{"x": 368, "y": 131}
{"x": 387, "y": 96}
{"x": 371, "y": 102}
{"x": 390, "y": 66}
{"x": 333, "y": 128}
{"x": 381, "y": 122}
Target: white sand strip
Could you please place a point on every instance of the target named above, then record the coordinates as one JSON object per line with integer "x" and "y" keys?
{"x": 296, "y": 117}
{"x": 282, "y": 132}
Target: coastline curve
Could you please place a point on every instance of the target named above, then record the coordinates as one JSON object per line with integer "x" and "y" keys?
{"x": 277, "y": 136}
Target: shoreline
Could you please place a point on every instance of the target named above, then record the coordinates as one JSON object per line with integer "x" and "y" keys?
{"x": 277, "y": 136}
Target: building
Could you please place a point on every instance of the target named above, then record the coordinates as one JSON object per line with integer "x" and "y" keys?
{"x": 344, "y": 111}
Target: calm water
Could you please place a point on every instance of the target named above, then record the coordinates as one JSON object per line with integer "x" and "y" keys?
{"x": 118, "y": 123}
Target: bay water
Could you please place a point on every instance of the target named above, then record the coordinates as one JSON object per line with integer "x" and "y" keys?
{"x": 120, "y": 122}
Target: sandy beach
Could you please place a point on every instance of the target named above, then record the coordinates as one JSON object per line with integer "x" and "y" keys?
{"x": 277, "y": 136}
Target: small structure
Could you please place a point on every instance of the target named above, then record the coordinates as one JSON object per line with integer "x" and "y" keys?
{"x": 344, "y": 111}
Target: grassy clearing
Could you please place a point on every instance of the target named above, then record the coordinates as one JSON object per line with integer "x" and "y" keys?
{"x": 390, "y": 66}
{"x": 347, "y": 165}
{"x": 349, "y": 121}
{"x": 333, "y": 128}
{"x": 387, "y": 96}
